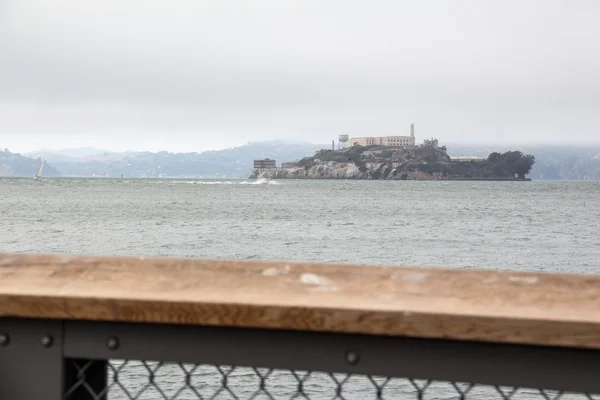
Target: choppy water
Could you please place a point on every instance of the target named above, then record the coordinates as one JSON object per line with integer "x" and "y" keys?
{"x": 537, "y": 226}
{"x": 533, "y": 226}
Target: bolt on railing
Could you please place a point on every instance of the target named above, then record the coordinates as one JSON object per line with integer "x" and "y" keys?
{"x": 124, "y": 328}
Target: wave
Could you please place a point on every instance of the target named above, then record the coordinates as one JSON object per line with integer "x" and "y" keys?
{"x": 203, "y": 182}
{"x": 260, "y": 181}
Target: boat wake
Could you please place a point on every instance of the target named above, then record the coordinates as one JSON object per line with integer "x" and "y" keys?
{"x": 260, "y": 181}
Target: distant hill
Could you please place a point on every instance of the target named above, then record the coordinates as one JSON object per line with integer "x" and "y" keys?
{"x": 236, "y": 162}
{"x": 57, "y": 158}
{"x": 71, "y": 153}
{"x": 17, "y": 165}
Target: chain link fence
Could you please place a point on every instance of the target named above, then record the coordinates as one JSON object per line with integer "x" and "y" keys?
{"x": 146, "y": 380}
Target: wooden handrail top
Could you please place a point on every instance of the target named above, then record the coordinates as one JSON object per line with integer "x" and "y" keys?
{"x": 493, "y": 306}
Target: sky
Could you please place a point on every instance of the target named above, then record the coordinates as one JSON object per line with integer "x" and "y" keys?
{"x": 196, "y": 75}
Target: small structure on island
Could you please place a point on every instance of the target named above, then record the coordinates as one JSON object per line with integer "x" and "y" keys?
{"x": 290, "y": 164}
{"x": 342, "y": 141}
{"x": 467, "y": 158}
{"x": 264, "y": 163}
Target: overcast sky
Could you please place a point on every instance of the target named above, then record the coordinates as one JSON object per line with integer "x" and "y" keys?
{"x": 205, "y": 74}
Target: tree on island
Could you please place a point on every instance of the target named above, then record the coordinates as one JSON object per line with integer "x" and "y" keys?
{"x": 511, "y": 163}
{"x": 523, "y": 165}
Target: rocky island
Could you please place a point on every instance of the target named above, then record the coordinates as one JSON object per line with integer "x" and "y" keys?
{"x": 401, "y": 163}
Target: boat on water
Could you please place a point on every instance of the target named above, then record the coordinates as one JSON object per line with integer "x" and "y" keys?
{"x": 40, "y": 172}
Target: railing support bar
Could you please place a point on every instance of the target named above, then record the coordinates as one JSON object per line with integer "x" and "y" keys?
{"x": 486, "y": 363}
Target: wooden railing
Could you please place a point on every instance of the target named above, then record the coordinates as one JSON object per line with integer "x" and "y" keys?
{"x": 58, "y": 313}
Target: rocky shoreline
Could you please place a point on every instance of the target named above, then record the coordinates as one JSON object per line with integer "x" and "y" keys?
{"x": 336, "y": 173}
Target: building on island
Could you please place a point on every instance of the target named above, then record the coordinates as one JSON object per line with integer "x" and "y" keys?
{"x": 404, "y": 141}
{"x": 430, "y": 143}
{"x": 290, "y": 164}
{"x": 393, "y": 141}
{"x": 265, "y": 163}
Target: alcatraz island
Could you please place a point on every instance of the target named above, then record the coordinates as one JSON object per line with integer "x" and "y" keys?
{"x": 397, "y": 158}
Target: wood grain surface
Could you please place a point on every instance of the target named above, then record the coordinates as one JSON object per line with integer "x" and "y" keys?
{"x": 493, "y": 306}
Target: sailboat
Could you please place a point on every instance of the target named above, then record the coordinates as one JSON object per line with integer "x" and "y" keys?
{"x": 40, "y": 172}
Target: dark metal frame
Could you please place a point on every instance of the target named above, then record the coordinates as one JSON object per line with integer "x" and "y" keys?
{"x": 34, "y": 354}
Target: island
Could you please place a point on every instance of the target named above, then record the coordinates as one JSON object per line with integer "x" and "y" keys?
{"x": 401, "y": 163}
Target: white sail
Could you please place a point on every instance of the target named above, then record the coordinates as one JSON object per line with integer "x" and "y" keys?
{"x": 41, "y": 171}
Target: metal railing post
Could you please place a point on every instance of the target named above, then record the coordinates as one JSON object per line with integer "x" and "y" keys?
{"x": 31, "y": 360}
